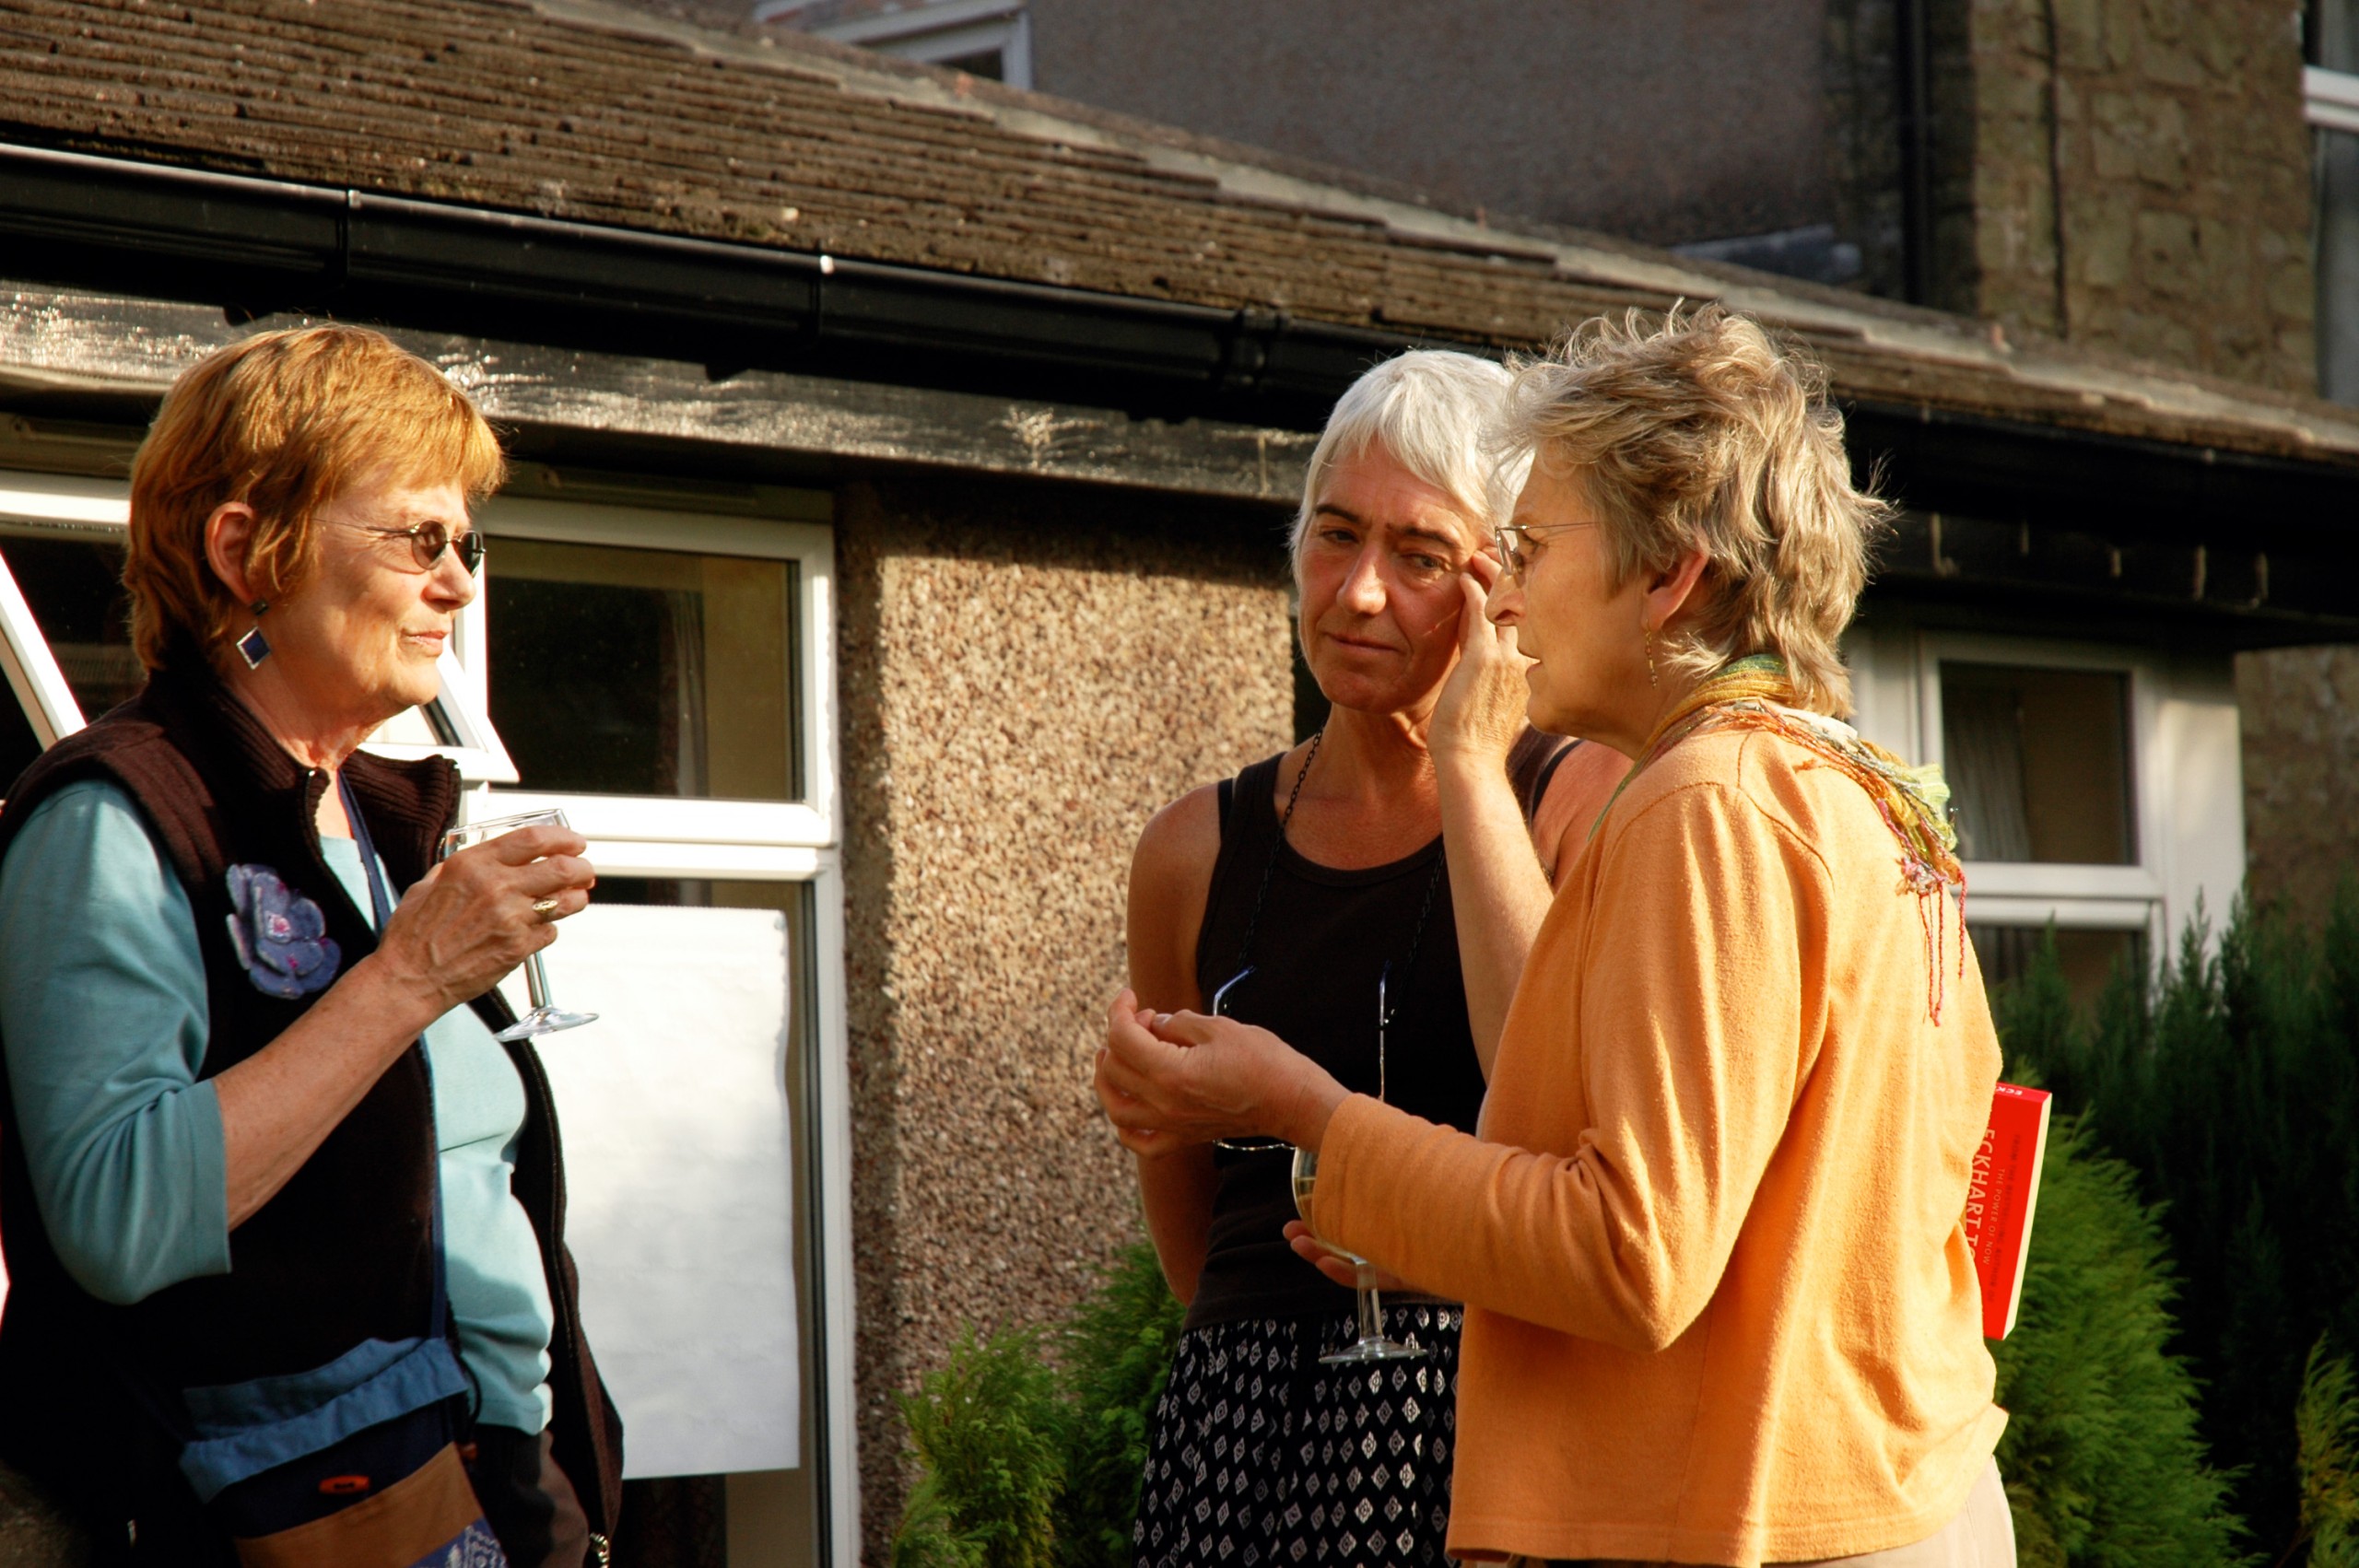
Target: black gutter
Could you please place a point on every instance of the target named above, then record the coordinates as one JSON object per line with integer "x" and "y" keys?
{"x": 258, "y": 246}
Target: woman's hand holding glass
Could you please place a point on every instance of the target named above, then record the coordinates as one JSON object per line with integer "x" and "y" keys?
{"x": 484, "y": 910}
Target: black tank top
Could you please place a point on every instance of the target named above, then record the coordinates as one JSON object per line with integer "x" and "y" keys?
{"x": 1321, "y": 945}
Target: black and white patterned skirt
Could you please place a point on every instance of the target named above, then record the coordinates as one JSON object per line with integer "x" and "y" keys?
{"x": 1261, "y": 1455}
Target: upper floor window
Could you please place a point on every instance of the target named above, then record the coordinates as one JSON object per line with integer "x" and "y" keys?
{"x": 984, "y": 37}
{"x": 2330, "y": 103}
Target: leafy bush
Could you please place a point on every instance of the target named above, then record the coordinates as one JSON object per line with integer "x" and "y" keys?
{"x": 989, "y": 1428}
{"x": 1117, "y": 1352}
{"x": 2233, "y": 1089}
{"x": 1033, "y": 1460}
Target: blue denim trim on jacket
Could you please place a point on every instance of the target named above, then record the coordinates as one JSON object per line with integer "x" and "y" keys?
{"x": 244, "y": 1429}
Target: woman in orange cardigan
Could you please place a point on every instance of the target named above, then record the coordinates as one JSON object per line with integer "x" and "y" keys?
{"x": 1720, "y": 1309}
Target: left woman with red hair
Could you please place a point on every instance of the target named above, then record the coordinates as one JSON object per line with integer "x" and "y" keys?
{"x": 272, "y": 1195}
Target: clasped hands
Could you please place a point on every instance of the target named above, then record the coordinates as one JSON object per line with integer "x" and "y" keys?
{"x": 1170, "y": 1080}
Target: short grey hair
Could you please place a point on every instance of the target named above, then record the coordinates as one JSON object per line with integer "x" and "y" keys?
{"x": 1435, "y": 410}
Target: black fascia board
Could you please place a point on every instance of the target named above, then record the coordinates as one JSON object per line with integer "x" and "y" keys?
{"x": 257, "y": 246}
{"x": 2057, "y": 479}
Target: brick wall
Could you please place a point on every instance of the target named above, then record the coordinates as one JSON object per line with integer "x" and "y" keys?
{"x": 2300, "y": 708}
{"x": 2167, "y": 133}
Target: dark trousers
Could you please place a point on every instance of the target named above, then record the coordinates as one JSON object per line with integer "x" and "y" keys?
{"x": 527, "y": 1499}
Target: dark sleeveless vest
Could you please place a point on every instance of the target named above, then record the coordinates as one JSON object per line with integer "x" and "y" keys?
{"x": 1318, "y": 945}
{"x": 343, "y": 1252}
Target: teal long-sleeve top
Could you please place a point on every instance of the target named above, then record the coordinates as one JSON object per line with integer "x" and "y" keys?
{"x": 102, "y": 1004}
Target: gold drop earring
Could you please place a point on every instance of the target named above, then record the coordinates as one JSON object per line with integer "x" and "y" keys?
{"x": 1647, "y": 636}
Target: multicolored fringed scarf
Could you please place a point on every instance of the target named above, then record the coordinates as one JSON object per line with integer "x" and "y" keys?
{"x": 1754, "y": 694}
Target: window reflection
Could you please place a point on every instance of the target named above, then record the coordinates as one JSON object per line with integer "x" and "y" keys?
{"x": 2038, "y": 763}
{"x": 74, "y": 587}
{"x": 643, "y": 672}
{"x": 19, "y": 744}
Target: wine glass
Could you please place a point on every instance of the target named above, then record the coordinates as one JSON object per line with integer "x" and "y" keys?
{"x": 546, "y": 1017}
{"x": 1373, "y": 1344}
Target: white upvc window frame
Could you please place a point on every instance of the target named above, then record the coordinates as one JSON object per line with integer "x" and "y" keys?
{"x": 78, "y": 508}
{"x": 2330, "y": 99}
{"x": 933, "y": 32}
{"x": 798, "y": 841}
{"x": 2157, "y": 891}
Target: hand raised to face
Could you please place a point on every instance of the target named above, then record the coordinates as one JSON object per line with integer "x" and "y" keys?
{"x": 1481, "y": 711}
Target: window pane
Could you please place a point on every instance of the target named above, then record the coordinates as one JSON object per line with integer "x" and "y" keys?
{"x": 987, "y": 65}
{"x": 2338, "y": 264}
{"x": 2087, "y": 958}
{"x": 2038, "y": 763}
{"x": 681, "y": 1519}
{"x": 19, "y": 744}
{"x": 74, "y": 587}
{"x": 643, "y": 672}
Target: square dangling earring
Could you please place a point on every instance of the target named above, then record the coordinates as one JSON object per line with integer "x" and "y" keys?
{"x": 254, "y": 648}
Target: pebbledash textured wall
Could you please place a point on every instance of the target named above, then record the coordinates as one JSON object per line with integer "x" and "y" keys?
{"x": 1028, "y": 670}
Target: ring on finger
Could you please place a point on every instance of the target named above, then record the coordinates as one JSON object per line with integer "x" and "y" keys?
{"x": 545, "y": 908}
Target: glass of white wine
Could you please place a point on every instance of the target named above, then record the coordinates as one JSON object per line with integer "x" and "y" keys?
{"x": 1373, "y": 1344}
{"x": 546, "y": 1017}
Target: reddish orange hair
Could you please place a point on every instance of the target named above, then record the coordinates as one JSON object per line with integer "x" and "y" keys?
{"x": 283, "y": 422}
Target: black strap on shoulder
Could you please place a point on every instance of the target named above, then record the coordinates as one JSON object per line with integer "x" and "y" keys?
{"x": 1226, "y": 793}
{"x": 1548, "y": 775}
{"x": 1532, "y": 762}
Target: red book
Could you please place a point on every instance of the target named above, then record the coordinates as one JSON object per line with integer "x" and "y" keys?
{"x": 2001, "y": 1198}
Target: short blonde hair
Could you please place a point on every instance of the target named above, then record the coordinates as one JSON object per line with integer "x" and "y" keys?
{"x": 1432, "y": 409}
{"x": 1700, "y": 430}
{"x": 283, "y": 422}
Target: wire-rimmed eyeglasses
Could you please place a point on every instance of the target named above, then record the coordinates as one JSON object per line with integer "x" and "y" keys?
{"x": 1218, "y": 1009}
{"x": 1511, "y": 536}
{"x": 1386, "y": 1010}
{"x": 428, "y": 540}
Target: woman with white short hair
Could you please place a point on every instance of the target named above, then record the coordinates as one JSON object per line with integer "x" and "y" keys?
{"x": 1312, "y": 895}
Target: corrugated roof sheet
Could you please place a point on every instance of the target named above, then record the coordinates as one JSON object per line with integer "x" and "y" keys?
{"x": 570, "y": 109}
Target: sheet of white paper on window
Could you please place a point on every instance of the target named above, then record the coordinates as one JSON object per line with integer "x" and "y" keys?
{"x": 680, "y": 1209}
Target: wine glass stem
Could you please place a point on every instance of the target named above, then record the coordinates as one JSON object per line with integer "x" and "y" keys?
{"x": 537, "y": 982}
{"x": 1371, "y": 1309}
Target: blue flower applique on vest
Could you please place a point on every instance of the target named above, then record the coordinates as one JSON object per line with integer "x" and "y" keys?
{"x": 282, "y": 937}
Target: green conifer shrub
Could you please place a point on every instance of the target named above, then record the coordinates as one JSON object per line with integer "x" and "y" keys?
{"x": 2102, "y": 1464}
{"x": 2327, "y": 1433}
{"x": 1117, "y": 1353}
{"x": 2232, "y": 1088}
{"x": 1032, "y": 1460}
{"x": 990, "y": 1429}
